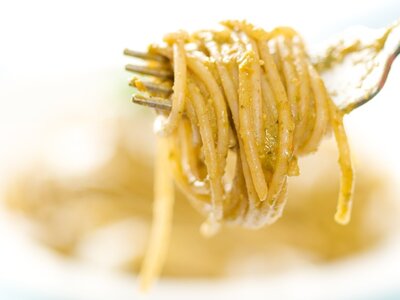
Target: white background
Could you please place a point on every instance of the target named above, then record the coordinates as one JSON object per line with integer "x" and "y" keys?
{"x": 60, "y": 58}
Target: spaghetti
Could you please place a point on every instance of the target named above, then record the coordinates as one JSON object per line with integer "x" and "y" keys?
{"x": 246, "y": 103}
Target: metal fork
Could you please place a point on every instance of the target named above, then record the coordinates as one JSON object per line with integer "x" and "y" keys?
{"x": 354, "y": 67}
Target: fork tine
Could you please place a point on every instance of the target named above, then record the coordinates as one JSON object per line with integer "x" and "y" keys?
{"x": 151, "y": 87}
{"x": 145, "y": 55}
{"x": 155, "y": 102}
{"x": 161, "y": 73}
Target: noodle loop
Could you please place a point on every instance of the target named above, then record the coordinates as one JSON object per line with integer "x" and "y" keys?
{"x": 253, "y": 96}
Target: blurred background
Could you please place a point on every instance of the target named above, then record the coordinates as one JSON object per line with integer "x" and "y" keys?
{"x": 76, "y": 165}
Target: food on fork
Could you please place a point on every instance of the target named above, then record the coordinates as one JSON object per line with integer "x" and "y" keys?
{"x": 246, "y": 103}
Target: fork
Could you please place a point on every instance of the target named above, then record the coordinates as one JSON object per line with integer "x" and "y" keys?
{"x": 354, "y": 67}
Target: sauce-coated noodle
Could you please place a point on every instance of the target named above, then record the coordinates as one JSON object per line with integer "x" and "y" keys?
{"x": 253, "y": 96}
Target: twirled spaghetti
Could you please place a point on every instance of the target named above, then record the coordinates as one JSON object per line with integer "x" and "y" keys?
{"x": 246, "y": 103}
